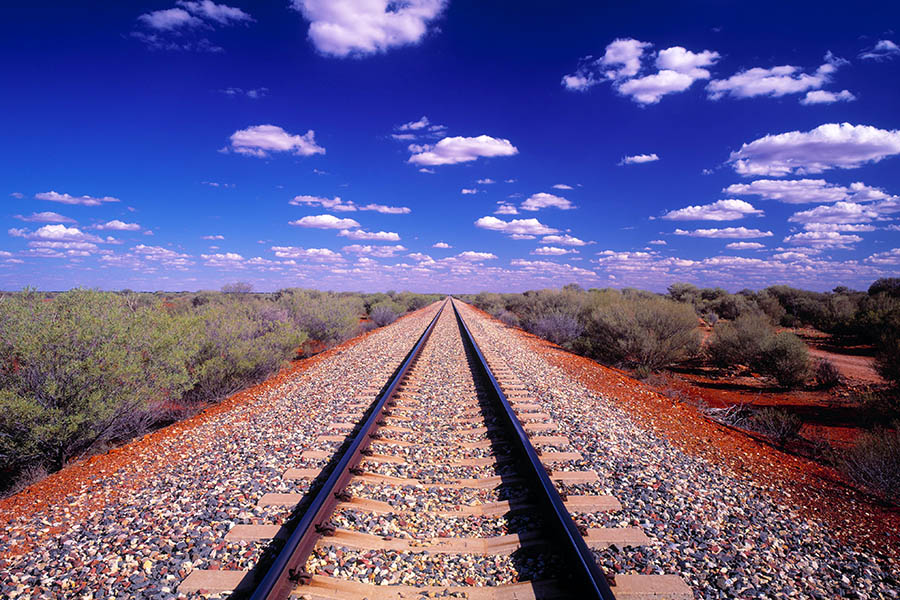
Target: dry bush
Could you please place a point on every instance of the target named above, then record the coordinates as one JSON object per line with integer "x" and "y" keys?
{"x": 874, "y": 462}
{"x": 826, "y": 374}
{"x": 780, "y": 425}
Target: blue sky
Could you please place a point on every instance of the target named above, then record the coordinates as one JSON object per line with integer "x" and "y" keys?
{"x": 448, "y": 145}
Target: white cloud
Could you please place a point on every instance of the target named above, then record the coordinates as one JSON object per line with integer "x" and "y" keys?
{"x": 883, "y": 50}
{"x": 839, "y": 212}
{"x": 253, "y": 94}
{"x": 377, "y": 251}
{"x": 325, "y": 222}
{"x": 744, "y": 246}
{"x": 261, "y": 140}
{"x": 725, "y": 233}
{"x": 891, "y": 257}
{"x": 429, "y": 171}
{"x": 220, "y": 13}
{"x": 468, "y": 191}
{"x": 157, "y": 253}
{"x": 58, "y": 233}
{"x": 227, "y": 260}
{"x": 516, "y": 226}
{"x": 828, "y": 146}
{"x": 651, "y": 88}
{"x": 335, "y": 203}
{"x": 775, "y": 82}
{"x": 658, "y": 243}
{"x": 544, "y": 200}
{"x": 387, "y": 210}
{"x": 722, "y": 210}
{"x": 213, "y": 237}
{"x": 315, "y": 254}
{"x": 359, "y": 27}
{"x": 622, "y": 59}
{"x": 17, "y": 195}
{"x": 68, "y": 199}
{"x": 806, "y": 191}
{"x": 359, "y": 234}
{"x": 485, "y": 181}
{"x": 169, "y": 19}
{"x": 117, "y": 225}
{"x": 677, "y": 69}
{"x": 414, "y": 125}
{"x": 565, "y": 240}
{"x": 562, "y": 186}
{"x": 845, "y": 227}
{"x": 639, "y": 159}
{"x": 45, "y": 217}
{"x": 826, "y": 97}
{"x": 454, "y": 150}
{"x": 441, "y": 245}
{"x": 553, "y": 251}
{"x": 472, "y": 256}
{"x": 684, "y": 61}
{"x": 823, "y": 239}
{"x": 506, "y": 209}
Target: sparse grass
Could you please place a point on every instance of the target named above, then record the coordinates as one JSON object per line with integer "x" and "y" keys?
{"x": 874, "y": 462}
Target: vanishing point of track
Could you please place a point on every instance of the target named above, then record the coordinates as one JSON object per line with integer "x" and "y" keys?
{"x": 456, "y": 426}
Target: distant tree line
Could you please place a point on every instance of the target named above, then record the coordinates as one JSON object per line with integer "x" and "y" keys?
{"x": 83, "y": 369}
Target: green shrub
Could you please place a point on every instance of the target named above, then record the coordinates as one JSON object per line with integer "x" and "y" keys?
{"x": 243, "y": 342}
{"x": 324, "y": 316}
{"x": 739, "y": 342}
{"x": 385, "y": 312}
{"x": 75, "y": 368}
{"x": 646, "y": 331}
{"x": 559, "y": 328}
{"x": 785, "y": 358}
{"x": 874, "y": 462}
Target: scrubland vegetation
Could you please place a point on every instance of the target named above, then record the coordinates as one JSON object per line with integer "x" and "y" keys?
{"x": 648, "y": 332}
{"x": 84, "y": 369}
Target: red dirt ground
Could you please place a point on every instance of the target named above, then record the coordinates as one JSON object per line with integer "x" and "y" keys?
{"x": 816, "y": 491}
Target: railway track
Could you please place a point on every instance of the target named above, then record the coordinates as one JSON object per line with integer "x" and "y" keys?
{"x": 448, "y": 487}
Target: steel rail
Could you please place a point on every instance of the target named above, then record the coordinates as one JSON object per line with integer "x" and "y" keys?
{"x": 287, "y": 570}
{"x": 591, "y": 579}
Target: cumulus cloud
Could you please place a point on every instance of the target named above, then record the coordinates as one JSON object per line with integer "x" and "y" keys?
{"x": 226, "y": 260}
{"x": 441, "y": 245}
{"x": 543, "y": 200}
{"x": 725, "y": 233}
{"x": 883, "y": 50}
{"x": 553, "y": 251}
{"x": 826, "y": 97}
{"x": 806, "y": 191}
{"x": 376, "y": 251}
{"x": 658, "y": 243}
{"x": 169, "y": 29}
{"x": 79, "y": 200}
{"x": 845, "y": 227}
{"x": 359, "y": 27}
{"x": 828, "y": 146}
{"x": 219, "y": 13}
{"x": 485, "y": 181}
{"x": 117, "y": 225}
{"x": 386, "y": 210}
{"x": 504, "y": 208}
{"x": 213, "y": 237}
{"x": 639, "y": 159}
{"x": 744, "y": 246}
{"x": 314, "y": 254}
{"x": 839, "y": 212}
{"x": 468, "y": 191}
{"x": 515, "y": 227}
{"x": 336, "y": 204}
{"x": 565, "y": 240}
{"x": 454, "y": 150}
{"x": 775, "y": 82}
{"x": 262, "y": 140}
{"x": 58, "y": 233}
{"x": 45, "y": 217}
{"x": 823, "y": 239}
{"x": 677, "y": 69}
{"x": 562, "y": 186}
{"x": 359, "y": 234}
{"x": 473, "y": 256}
{"x": 325, "y": 222}
{"x": 891, "y": 257}
{"x": 722, "y": 210}
{"x": 168, "y": 19}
